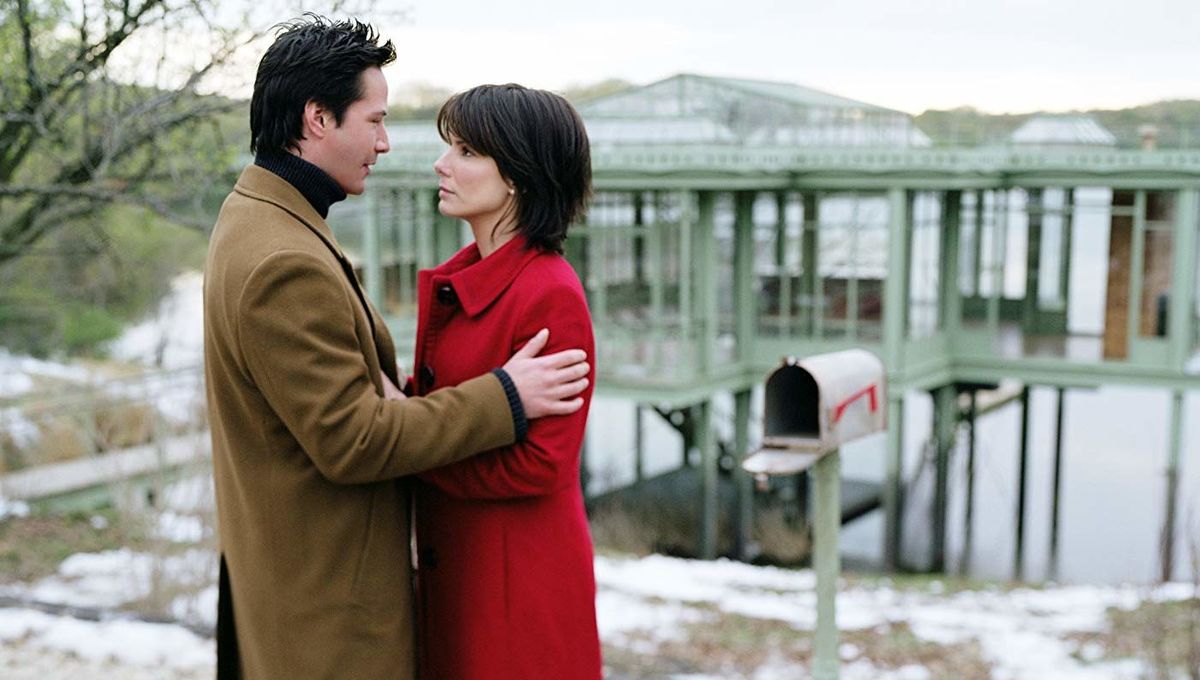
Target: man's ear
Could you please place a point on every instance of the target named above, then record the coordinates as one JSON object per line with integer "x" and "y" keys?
{"x": 317, "y": 120}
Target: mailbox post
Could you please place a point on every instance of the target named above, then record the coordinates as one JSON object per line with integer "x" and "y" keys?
{"x": 813, "y": 406}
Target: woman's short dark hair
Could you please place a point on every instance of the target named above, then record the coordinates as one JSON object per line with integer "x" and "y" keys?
{"x": 316, "y": 59}
{"x": 539, "y": 144}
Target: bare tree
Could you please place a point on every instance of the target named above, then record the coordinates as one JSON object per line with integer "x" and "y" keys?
{"x": 105, "y": 101}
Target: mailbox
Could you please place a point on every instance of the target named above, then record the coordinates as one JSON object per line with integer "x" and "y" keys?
{"x": 815, "y": 405}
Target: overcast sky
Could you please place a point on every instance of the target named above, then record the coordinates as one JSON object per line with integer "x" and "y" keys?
{"x": 995, "y": 55}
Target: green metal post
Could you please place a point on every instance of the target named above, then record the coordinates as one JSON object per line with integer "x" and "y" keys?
{"x": 639, "y": 443}
{"x": 852, "y": 278}
{"x": 1055, "y": 506}
{"x": 745, "y": 485}
{"x": 1174, "y": 454}
{"x": 964, "y": 564}
{"x": 372, "y": 258}
{"x": 706, "y": 440}
{"x": 686, "y": 225}
{"x": 1000, "y": 200}
{"x": 826, "y": 562}
{"x": 706, "y": 280}
{"x": 1068, "y": 226}
{"x": 1137, "y": 259}
{"x": 1022, "y": 481}
{"x": 597, "y": 279}
{"x": 781, "y": 268}
{"x": 639, "y": 243}
{"x": 944, "y": 421}
{"x": 1180, "y": 318}
{"x": 654, "y": 252}
{"x": 976, "y": 272}
{"x": 895, "y": 311}
{"x": 745, "y": 309}
{"x": 1035, "y": 211}
{"x": 810, "y": 282}
{"x": 410, "y": 242}
{"x": 893, "y": 489}
{"x": 424, "y": 227}
{"x": 895, "y": 288}
{"x": 950, "y": 298}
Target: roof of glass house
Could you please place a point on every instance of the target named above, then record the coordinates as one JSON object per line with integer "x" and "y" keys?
{"x": 696, "y": 109}
{"x": 688, "y": 93}
{"x": 1071, "y": 130}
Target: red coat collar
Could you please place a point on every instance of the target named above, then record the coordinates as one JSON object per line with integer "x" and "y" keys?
{"x": 478, "y": 281}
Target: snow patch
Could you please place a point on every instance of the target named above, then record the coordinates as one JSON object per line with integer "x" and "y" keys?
{"x": 174, "y": 336}
{"x": 129, "y": 642}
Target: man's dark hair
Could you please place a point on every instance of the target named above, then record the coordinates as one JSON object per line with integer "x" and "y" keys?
{"x": 312, "y": 58}
{"x": 539, "y": 144}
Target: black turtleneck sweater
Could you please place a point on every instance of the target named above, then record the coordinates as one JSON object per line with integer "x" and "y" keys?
{"x": 313, "y": 182}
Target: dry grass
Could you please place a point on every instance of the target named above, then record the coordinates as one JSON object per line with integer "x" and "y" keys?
{"x": 778, "y": 539}
{"x": 33, "y": 547}
{"x": 121, "y": 425}
{"x": 59, "y": 439}
{"x": 671, "y": 529}
{"x": 894, "y": 646}
{"x": 732, "y": 646}
{"x": 70, "y": 435}
{"x": 615, "y": 529}
{"x": 1166, "y": 635}
{"x": 11, "y": 458}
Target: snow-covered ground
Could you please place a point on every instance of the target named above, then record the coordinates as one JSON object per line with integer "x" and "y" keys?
{"x": 641, "y": 603}
{"x": 173, "y": 337}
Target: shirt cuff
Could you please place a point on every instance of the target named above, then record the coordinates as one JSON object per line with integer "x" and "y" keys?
{"x": 520, "y": 423}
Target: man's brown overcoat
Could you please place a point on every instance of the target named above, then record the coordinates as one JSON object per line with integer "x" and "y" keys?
{"x": 313, "y": 524}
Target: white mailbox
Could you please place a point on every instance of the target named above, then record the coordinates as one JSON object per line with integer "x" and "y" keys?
{"x": 815, "y": 405}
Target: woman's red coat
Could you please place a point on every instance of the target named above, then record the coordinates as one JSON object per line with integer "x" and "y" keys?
{"x": 505, "y": 578}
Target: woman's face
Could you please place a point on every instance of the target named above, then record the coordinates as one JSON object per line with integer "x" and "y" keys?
{"x": 470, "y": 186}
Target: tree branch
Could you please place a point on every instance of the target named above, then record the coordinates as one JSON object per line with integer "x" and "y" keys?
{"x": 31, "y": 72}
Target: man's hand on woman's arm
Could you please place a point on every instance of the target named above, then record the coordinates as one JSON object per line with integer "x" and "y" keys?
{"x": 548, "y": 385}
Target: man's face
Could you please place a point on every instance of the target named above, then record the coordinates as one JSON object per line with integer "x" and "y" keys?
{"x": 350, "y": 149}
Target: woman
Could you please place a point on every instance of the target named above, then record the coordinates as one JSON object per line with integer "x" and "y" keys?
{"x": 505, "y": 581}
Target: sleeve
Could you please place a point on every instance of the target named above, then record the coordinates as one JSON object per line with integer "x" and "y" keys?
{"x": 297, "y": 332}
{"x": 548, "y": 458}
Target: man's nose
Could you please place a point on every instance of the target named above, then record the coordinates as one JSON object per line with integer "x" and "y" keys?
{"x": 381, "y": 143}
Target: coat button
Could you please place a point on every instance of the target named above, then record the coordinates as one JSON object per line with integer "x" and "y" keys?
{"x": 429, "y": 558}
{"x": 427, "y": 377}
{"x": 447, "y": 296}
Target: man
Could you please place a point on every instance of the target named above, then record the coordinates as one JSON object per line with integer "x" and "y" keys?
{"x": 307, "y": 448}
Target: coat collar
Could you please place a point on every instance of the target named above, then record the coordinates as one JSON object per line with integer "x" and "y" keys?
{"x": 263, "y": 185}
{"x": 478, "y": 281}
